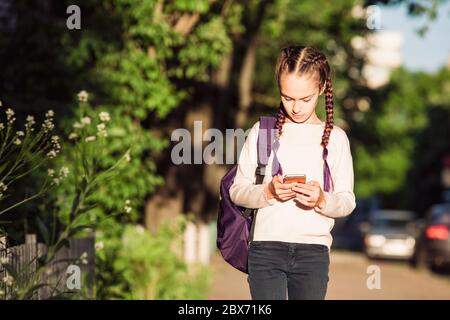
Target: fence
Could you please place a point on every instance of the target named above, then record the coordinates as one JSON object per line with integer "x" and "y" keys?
{"x": 55, "y": 276}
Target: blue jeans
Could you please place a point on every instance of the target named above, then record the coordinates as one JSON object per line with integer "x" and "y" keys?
{"x": 279, "y": 270}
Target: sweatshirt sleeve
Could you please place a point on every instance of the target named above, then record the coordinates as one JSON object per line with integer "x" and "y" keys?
{"x": 243, "y": 191}
{"x": 341, "y": 202}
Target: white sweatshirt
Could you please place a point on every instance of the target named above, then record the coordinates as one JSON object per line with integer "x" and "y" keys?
{"x": 300, "y": 152}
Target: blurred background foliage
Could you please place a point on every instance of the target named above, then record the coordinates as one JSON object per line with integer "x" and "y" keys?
{"x": 157, "y": 65}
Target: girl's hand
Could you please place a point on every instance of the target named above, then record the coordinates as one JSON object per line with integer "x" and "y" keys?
{"x": 279, "y": 190}
{"x": 309, "y": 194}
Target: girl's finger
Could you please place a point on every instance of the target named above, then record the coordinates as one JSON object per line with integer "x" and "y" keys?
{"x": 303, "y": 202}
{"x": 283, "y": 191}
{"x": 278, "y": 179}
{"x": 306, "y": 200}
{"x": 302, "y": 190}
{"x": 281, "y": 197}
{"x": 306, "y": 186}
{"x": 278, "y": 184}
{"x": 286, "y": 193}
{"x": 313, "y": 183}
{"x": 286, "y": 186}
{"x": 285, "y": 197}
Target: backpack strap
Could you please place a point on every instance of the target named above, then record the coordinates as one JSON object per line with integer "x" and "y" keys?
{"x": 264, "y": 143}
{"x": 264, "y": 149}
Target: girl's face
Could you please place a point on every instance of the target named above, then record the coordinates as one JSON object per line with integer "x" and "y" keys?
{"x": 299, "y": 95}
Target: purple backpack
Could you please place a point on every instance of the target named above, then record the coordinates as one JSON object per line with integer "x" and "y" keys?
{"x": 235, "y": 225}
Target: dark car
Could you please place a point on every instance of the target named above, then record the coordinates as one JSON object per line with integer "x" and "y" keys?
{"x": 390, "y": 234}
{"x": 433, "y": 244}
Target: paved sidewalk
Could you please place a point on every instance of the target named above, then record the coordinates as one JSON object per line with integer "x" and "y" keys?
{"x": 227, "y": 282}
{"x": 348, "y": 278}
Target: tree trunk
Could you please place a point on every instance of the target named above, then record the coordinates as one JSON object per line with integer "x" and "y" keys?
{"x": 245, "y": 83}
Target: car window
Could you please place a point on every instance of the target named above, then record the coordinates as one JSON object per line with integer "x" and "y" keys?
{"x": 443, "y": 218}
{"x": 438, "y": 210}
{"x": 390, "y": 223}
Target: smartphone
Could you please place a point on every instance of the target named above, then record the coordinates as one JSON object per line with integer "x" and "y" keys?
{"x": 292, "y": 178}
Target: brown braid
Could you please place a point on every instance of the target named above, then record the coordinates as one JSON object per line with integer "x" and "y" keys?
{"x": 281, "y": 119}
{"x": 329, "y": 110}
{"x": 308, "y": 60}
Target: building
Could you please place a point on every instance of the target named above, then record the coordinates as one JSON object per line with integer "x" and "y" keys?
{"x": 382, "y": 52}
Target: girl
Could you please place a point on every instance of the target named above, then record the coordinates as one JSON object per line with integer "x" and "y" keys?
{"x": 289, "y": 254}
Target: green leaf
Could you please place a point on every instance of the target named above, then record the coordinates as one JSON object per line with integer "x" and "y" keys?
{"x": 85, "y": 167}
{"x": 29, "y": 294}
{"x": 3, "y": 166}
{"x": 87, "y": 208}
{"x": 73, "y": 231}
{"x": 43, "y": 230}
{"x": 63, "y": 242}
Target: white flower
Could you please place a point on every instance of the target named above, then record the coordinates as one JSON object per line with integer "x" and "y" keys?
{"x": 10, "y": 115}
{"x": 90, "y": 138}
{"x": 9, "y": 112}
{"x": 2, "y": 126}
{"x": 8, "y": 280}
{"x": 83, "y": 96}
{"x": 73, "y": 136}
{"x": 3, "y": 188}
{"x": 99, "y": 245}
{"x": 56, "y": 181}
{"x": 51, "y": 172}
{"x": 51, "y": 154}
{"x": 104, "y": 116}
{"x": 86, "y": 120}
{"x": 3, "y": 260}
{"x": 63, "y": 172}
{"x": 30, "y": 123}
{"x": 50, "y": 113}
{"x": 55, "y": 145}
{"x": 78, "y": 125}
{"x": 48, "y": 125}
{"x": 17, "y": 141}
{"x": 127, "y": 156}
{"x": 84, "y": 258}
{"x": 127, "y": 207}
{"x": 102, "y": 130}
{"x": 20, "y": 133}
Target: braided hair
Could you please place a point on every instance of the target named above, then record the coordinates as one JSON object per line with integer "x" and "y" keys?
{"x": 307, "y": 60}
